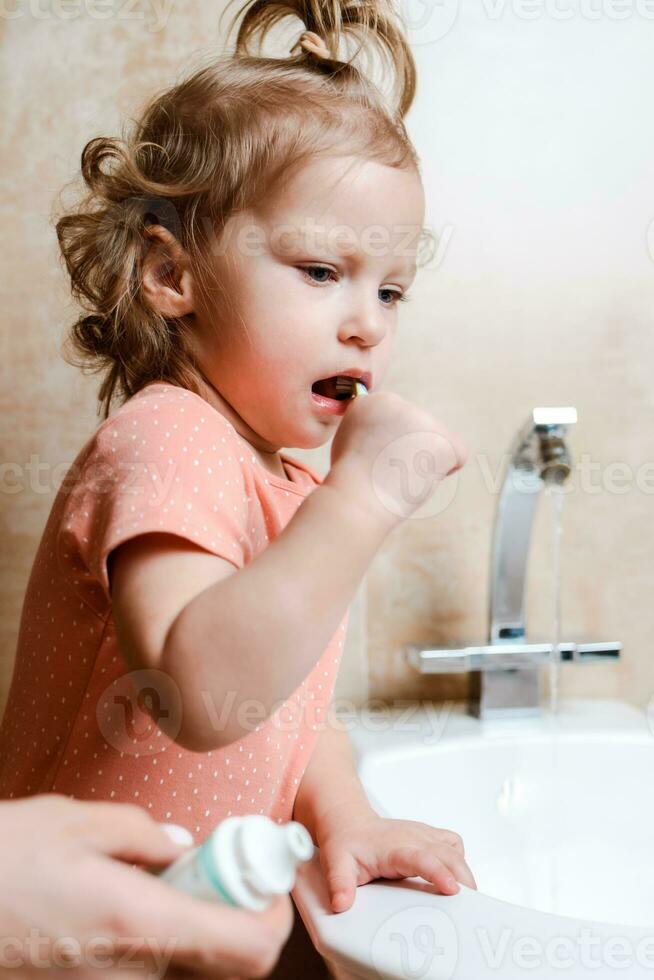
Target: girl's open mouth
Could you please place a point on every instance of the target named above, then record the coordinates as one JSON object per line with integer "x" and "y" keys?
{"x": 333, "y": 394}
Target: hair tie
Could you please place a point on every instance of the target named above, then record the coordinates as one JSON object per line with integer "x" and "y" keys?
{"x": 311, "y": 42}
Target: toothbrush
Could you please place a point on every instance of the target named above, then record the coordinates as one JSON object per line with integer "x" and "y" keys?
{"x": 359, "y": 389}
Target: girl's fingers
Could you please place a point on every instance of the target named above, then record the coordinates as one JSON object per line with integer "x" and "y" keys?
{"x": 436, "y": 835}
{"x": 439, "y": 836}
{"x": 454, "y": 840}
{"x": 444, "y": 869}
{"x": 341, "y": 874}
{"x": 460, "y": 869}
{"x": 409, "y": 861}
{"x": 456, "y": 865}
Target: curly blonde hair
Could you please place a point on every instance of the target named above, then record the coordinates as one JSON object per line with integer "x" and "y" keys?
{"x": 212, "y": 146}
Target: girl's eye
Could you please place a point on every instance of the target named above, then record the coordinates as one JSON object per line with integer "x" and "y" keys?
{"x": 317, "y": 268}
{"x": 396, "y": 295}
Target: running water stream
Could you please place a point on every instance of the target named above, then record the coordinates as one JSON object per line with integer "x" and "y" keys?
{"x": 556, "y": 822}
{"x": 555, "y": 495}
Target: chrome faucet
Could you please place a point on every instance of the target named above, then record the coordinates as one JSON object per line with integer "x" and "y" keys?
{"x": 505, "y": 676}
{"x": 539, "y": 455}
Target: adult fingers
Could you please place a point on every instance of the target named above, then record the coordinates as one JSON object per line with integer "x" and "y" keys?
{"x": 128, "y": 832}
{"x": 217, "y": 940}
{"x": 247, "y": 946}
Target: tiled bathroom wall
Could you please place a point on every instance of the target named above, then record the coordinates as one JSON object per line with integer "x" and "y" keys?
{"x": 537, "y": 156}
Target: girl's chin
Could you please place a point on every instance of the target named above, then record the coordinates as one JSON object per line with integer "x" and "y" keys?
{"x": 304, "y": 427}
{"x": 310, "y": 432}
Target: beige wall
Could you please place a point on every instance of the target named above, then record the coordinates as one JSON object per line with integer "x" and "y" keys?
{"x": 537, "y": 150}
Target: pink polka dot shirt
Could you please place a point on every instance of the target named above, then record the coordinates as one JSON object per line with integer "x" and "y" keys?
{"x": 77, "y": 721}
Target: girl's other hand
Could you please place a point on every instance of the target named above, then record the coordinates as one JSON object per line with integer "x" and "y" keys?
{"x": 352, "y": 854}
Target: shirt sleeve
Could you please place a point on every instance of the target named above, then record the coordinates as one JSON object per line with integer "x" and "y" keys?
{"x": 176, "y": 470}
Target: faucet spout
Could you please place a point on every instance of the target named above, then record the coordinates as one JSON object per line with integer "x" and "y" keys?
{"x": 539, "y": 455}
{"x": 556, "y": 466}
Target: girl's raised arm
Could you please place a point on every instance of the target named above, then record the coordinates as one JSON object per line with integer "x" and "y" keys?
{"x": 226, "y": 638}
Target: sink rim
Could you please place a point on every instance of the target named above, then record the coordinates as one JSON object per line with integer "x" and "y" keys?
{"x": 340, "y": 937}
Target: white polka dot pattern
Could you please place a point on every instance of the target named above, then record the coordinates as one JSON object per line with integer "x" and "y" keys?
{"x": 166, "y": 460}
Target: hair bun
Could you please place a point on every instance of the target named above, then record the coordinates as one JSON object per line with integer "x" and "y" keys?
{"x": 374, "y": 26}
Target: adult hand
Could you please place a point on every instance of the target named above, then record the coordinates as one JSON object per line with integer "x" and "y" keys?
{"x": 73, "y": 901}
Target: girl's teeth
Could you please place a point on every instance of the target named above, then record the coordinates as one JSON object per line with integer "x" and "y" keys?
{"x": 344, "y": 387}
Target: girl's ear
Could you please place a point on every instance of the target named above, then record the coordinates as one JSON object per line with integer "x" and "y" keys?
{"x": 167, "y": 283}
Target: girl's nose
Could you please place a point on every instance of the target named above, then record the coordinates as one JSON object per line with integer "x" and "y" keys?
{"x": 366, "y": 322}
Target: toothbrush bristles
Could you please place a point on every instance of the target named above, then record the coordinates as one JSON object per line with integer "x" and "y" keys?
{"x": 349, "y": 387}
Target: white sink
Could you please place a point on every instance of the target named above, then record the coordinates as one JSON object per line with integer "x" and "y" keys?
{"x": 557, "y": 818}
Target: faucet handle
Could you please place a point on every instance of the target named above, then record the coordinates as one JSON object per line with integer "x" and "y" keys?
{"x": 503, "y": 656}
{"x": 554, "y": 416}
{"x": 589, "y": 652}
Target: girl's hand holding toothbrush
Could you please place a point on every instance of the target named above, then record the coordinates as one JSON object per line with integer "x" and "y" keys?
{"x": 381, "y": 444}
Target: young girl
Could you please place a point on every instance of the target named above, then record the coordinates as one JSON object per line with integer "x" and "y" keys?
{"x": 184, "y": 620}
